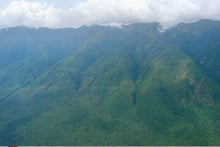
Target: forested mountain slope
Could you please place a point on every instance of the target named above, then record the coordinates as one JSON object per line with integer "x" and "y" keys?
{"x": 110, "y": 86}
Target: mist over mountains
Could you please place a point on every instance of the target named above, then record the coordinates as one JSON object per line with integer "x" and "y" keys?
{"x": 76, "y": 13}
{"x": 99, "y": 85}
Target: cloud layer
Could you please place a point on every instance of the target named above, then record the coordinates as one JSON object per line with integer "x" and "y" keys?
{"x": 108, "y": 12}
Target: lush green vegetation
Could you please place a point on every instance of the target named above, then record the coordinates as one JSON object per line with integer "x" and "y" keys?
{"x": 110, "y": 86}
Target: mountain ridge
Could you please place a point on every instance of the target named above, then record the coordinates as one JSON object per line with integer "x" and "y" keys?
{"x": 104, "y": 86}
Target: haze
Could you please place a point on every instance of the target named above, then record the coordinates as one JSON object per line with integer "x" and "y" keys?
{"x": 75, "y": 13}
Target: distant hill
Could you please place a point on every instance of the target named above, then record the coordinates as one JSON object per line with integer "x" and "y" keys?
{"x": 111, "y": 86}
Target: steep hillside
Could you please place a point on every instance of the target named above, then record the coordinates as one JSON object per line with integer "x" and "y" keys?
{"x": 110, "y": 86}
{"x": 201, "y": 42}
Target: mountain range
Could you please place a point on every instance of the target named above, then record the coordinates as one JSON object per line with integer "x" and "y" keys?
{"x": 97, "y": 85}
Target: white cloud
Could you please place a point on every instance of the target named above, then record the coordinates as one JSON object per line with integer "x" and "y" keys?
{"x": 108, "y": 12}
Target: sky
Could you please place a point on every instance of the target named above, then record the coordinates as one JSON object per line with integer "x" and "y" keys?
{"x": 56, "y": 3}
{"x": 75, "y": 13}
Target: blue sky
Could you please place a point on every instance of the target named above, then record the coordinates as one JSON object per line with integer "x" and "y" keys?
{"x": 56, "y": 3}
{"x": 75, "y": 13}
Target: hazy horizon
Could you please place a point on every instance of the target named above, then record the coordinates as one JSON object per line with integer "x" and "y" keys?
{"x": 76, "y": 13}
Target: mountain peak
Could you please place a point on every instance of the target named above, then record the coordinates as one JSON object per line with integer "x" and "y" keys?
{"x": 98, "y": 85}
